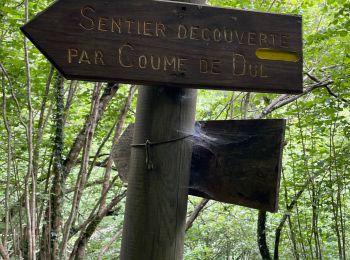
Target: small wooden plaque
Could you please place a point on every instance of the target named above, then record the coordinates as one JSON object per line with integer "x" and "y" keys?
{"x": 234, "y": 161}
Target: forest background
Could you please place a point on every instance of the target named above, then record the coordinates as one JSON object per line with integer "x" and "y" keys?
{"x": 60, "y": 193}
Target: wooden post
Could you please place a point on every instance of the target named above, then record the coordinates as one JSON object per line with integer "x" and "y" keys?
{"x": 156, "y": 204}
{"x": 155, "y": 215}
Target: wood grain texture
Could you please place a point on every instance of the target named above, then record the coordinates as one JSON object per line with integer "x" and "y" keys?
{"x": 169, "y": 43}
{"x": 234, "y": 161}
{"x": 155, "y": 215}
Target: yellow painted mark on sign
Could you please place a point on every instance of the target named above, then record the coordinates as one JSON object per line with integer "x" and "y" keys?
{"x": 270, "y": 54}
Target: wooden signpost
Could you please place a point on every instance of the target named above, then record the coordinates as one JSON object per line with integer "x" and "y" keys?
{"x": 233, "y": 161}
{"x": 171, "y": 43}
{"x": 175, "y": 47}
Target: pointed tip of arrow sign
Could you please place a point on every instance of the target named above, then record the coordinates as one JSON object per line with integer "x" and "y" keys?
{"x": 31, "y": 30}
{"x": 26, "y": 30}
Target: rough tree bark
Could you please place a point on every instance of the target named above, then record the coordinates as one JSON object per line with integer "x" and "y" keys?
{"x": 56, "y": 194}
{"x": 261, "y": 230}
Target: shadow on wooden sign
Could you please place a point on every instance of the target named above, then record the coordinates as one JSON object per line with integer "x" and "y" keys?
{"x": 233, "y": 161}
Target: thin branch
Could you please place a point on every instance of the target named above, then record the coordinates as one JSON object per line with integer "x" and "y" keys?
{"x": 30, "y": 201}
{"x": 285, "y": 216}
{"x": 71, "y": 93}
{"x": 246, "y": 104}
{"x": 9, "y": 159}
{"x": 94, "y": 162}
{"x": 108, "y": 245}
{"x": 80, "y": 245}
{"x": 195, "y": 213}
{"x": 74, "y": 152}
{"x": 3, "y": 252}
{"x": 93, "y": 211}
{"x": 273, "y": 2}
{"x": 287, "y": 99}
{"x": 89, "y": 184}
{"x": 13, "y": 94}
{"x": 82, "y": 176}
{"x": 330, "y": 92}
{"x": 78, "y": 251}
{"x": 41, "y": 123}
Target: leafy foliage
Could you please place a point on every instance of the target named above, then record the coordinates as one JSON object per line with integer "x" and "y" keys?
{"x": 315, "y": 162}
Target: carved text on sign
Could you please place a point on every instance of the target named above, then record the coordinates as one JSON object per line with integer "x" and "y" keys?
{"x": 180, "y": 44}
{"x": 90, "y": 20}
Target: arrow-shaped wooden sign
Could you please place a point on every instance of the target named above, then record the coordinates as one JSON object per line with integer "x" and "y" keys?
{"x": 171, "y": 43}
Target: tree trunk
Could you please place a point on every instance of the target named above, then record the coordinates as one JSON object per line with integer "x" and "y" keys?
{"x": 264, "y": 250}
{"x": 58, "y": 182}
